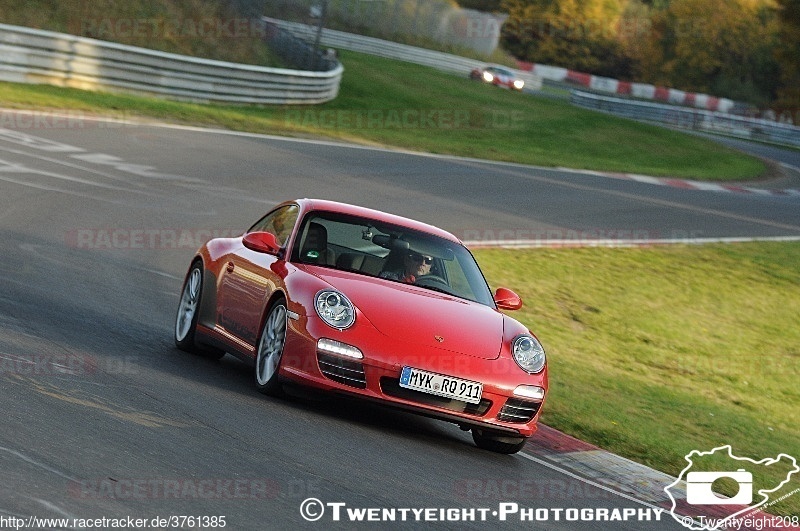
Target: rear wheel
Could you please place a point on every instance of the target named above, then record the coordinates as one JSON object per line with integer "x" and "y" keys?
{"x": 497, "y": 442}
{"x": 270, "y": 350}
{"x": 188, "y": 310}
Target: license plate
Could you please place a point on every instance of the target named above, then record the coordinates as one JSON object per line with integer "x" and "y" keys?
{"x": 439, "y": 384}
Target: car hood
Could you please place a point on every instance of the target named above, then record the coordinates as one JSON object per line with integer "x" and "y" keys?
{"x": 422, "y": 317}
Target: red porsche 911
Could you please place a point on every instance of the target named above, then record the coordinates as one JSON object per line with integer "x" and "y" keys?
{"x": 356, "y": 301}
{"x": 497, "y": 76}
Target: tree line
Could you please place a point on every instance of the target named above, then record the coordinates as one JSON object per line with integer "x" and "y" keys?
{"x": 746, "y": 50}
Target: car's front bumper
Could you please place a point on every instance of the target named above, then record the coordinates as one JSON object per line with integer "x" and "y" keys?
{"x": 377, "y": 376}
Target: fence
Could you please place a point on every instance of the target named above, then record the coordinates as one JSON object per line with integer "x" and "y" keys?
{"x": 696, "y": 119}
{"x": 36, "y": 56}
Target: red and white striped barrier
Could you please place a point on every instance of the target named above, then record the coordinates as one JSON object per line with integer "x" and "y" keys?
{"x": 637, "y": 90}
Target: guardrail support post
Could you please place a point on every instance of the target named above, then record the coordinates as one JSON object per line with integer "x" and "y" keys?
{"x": 315, "y": 50}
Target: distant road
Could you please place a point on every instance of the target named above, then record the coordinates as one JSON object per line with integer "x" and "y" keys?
{"x": 781, "y": 155}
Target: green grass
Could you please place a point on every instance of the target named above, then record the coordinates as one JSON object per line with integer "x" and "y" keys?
{"x": 655, "y": 352}
{"x": 399, "y": 104}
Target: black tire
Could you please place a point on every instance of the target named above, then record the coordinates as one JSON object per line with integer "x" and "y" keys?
{"x": 496, "y": 442}
{"x": 188, "y": 310}
{"x": 269, "y": 353}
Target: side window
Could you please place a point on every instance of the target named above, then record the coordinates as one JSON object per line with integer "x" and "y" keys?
{"x": 279, "y": 222}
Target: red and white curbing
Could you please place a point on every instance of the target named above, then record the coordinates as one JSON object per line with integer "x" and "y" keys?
{"x": 601, "y": 467}
{"x": 625, "y": 88}
{"x": 627, "y": 479}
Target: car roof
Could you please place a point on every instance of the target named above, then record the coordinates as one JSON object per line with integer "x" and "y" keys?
{"x": 309, "y": 205}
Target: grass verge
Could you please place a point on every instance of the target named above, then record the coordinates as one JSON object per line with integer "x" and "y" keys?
{"x": 392, "y": 103}
{"x": 655, "y": 352}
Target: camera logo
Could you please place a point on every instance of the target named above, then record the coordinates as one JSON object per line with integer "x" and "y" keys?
{"x": 755, "y": 483}
{"x": 698, "y": 488}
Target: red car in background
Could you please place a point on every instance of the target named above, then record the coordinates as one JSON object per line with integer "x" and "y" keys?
{"x": 356, "y": 301}
{"x": 497, "y": 76}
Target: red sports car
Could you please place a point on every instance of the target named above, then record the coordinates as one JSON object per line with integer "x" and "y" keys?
{"x": 356, "y": 301}
{"x": 498, "y": 76}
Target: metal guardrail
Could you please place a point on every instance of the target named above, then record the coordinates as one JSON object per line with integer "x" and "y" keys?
{"x": 440, "y": 21}
{"x": 393, "y": 50}
{"x": 35, "y": 56}
{"x": 696, "y": 119}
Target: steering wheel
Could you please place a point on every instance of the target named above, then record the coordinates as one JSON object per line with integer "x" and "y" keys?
{"x": 431, "y": 281}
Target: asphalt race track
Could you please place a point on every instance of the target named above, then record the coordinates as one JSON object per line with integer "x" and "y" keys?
{"x": 103, "y": 417}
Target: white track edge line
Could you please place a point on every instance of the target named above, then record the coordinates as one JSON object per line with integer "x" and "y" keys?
{"x": 544, "y": 243}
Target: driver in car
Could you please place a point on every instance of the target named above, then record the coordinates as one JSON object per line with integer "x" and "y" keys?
{"x": 414, "y": 265}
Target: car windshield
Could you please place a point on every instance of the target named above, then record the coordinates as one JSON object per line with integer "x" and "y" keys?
{"x": 501, "y": 71}
{"x": 391, "y": 252}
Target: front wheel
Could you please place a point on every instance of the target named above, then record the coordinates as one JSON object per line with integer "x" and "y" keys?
{"x": 495, "y": 442}
{"x": 270, "y": 350}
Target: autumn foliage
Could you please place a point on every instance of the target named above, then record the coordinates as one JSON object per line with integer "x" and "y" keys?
{"x": 746, "y": 50}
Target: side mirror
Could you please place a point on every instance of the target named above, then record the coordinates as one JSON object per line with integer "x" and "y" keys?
{"x": 262, "y": 242}
{"x": 507, "y": 299}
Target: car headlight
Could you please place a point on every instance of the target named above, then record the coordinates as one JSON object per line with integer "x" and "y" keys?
{"x": 335, "y": 309}
{"x": 528, "y": 353}
{"x": 518, "y": 84}
{"x": 488, "y": 77}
